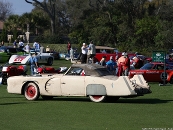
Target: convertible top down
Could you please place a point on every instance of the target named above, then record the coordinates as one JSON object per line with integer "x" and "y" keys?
{"x": 90, "y": 80}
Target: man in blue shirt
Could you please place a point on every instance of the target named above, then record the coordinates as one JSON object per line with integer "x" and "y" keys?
{"x": 111, "y": 65}
{"x": 34, "y": 63}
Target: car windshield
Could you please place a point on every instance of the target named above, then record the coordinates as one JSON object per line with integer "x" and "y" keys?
{"x": 87, "y": 71}
{"x": 147, "y": 66}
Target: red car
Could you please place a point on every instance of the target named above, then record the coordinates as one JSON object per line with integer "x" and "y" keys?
{"x": 107, "y": 52}
{"x": 154, "y": 72}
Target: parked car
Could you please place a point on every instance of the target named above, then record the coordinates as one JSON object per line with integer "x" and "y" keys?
{"x": 90, "y": 80}
{"x": 43, "y": 58}
{"x": 108, "y": 52}
{"x": 154, "y": 72}
{"x": 11, "y": 70}
{"x": 54, "y": 53}
{"x": 6, "y": 52}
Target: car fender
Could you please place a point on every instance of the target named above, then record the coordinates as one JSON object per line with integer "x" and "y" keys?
{"x": 96, "y": 89}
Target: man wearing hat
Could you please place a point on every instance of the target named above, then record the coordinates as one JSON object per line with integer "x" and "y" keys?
{"x": 126, "y": 65}
{"x": 34, "y": 63}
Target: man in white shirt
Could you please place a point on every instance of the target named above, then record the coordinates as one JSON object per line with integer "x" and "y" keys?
{"x": 92, "y": 51}
{"x": 84, "y": 53}
{"x": 27, "y": 48}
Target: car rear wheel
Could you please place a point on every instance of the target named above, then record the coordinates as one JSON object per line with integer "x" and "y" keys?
{"x": 31, "y": 92}
{"x": 97, "y": 98}
{"x": 50, "y": 61}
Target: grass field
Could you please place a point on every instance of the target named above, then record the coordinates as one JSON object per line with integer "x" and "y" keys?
{"x": 79, "y": 113}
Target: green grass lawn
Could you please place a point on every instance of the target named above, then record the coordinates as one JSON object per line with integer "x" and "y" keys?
{"x": 79, "y": 113}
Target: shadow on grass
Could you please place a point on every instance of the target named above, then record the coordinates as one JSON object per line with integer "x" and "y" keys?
{"x": 14, "y": 103}
{"x": 143, "y": 101}
{"x": 11, "y": 97}
{"x": 121, "y": 100}
{"x": 76, "y": 99}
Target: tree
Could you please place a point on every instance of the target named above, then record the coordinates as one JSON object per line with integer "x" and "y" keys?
{"x": 5, "y": 10}
{"x": 49, "y": 7}
{"x": 11, "y": 23}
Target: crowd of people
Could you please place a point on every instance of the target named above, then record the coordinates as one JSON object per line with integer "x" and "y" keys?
{"x": 27, "y": 47}
{"x": 118, "y": 66}
{"x": 87, "y": 52}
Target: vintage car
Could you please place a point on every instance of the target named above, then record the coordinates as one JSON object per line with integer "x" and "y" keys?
{"x": 90, "y": 80}
{"x": 43, "y": 58}
{"x": 106, "y": 52}
{"x": 154, "y": 72}
{"x": 54, "y": 53}
{"x": 7, "y": 51}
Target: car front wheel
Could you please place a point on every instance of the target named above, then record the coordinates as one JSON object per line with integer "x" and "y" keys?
{"x": 31, "y": 92}
{"x": 97, "y": 98}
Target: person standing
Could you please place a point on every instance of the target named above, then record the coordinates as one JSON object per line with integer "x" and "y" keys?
{"x": 120, "y": 64}
{"x": 27, "y": 48}
{"x": 126, "y": 65}
{"x": 35, "y": 45}
{"x": 84, "y": 53}
{"x": 71, "y": 54}
{"x": 2, "y": 43}
{"x": 111, "y": 65}
{"x": 68, "y": 47}
{"x": 91, "y": 51}
{"x": 38, "y": 47}
{"x": 15, "y": 43}
{"x": 41, "y": 49}
{"x": 21, "y": 44}
{"x": 34, "y": 63}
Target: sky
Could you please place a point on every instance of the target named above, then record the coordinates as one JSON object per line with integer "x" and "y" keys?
{"x": 20, "y": 6}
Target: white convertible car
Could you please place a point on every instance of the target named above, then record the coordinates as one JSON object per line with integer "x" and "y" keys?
{"x": 90, "y": 80}
{"x": 43, "y": 58}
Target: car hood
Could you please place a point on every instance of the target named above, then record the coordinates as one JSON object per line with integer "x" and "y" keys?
{"x": 19, "y": 59}
{"x": 111, "y": 77}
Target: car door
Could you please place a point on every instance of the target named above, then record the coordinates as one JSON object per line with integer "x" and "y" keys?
{"x": 41, "y": 58}
{"x": 154, "y": 75}
{"x": 151, "y": 75}
{"x": 73, "y": 84}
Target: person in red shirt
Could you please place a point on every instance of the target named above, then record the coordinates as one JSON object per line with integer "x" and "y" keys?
{"x": 126, "y": 65}
{"x": 120, "y": 64}
{"x": 68, "y": 47}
